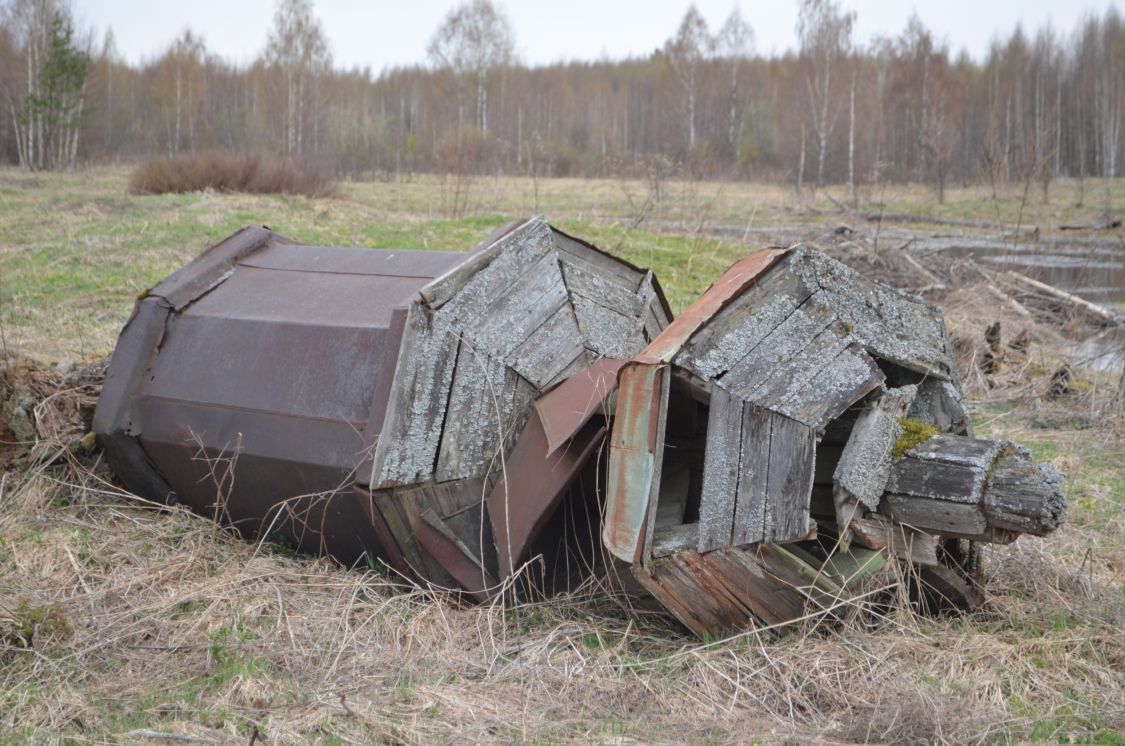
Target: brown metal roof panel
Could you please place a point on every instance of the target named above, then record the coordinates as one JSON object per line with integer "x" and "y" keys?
{"x": 312, "y": 298}
{"x": 273, "y": 498}
{"x": 113, "y": 417}
{"x": 570, "y": 405}
{"x": 302, "y": 441}
{"x": 294, "y": 369}
{"x": 376, "y": 262}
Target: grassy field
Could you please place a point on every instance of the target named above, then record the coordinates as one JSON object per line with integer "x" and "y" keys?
{"x": 144, "y": 621}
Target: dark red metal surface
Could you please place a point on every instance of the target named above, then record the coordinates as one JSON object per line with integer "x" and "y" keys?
{"x": 566, "y": 408}
{"x": 535, "y": 479}
{"x": 276, "y": 358}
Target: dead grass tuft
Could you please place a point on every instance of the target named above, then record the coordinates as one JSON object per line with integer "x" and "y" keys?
{"x": 151, "y": 619}
{"x": 230, "y": 172}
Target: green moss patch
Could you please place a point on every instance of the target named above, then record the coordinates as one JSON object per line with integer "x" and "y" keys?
{"x": 914, "y": 433}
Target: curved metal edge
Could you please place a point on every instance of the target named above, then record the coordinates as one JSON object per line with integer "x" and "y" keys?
{"x": 210, "y": 268}
{"x": 731, "y": 285}
{"x": 113, "y": 417}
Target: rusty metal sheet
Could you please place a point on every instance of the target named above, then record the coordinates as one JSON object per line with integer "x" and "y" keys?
{"x": 441, "y": 544}
{"x": 635, "y": 454}
{"x": 732, "y": 284}
{"x": 536, "y": 478}
{"x": 566, "y": 408}
{"x": 114, "y": 416}
{"x": 279, "y": 356}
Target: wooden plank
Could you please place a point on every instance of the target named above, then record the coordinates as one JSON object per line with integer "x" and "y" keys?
{"x": 876, "y": 532}
{"x": 447, "y": 550}
{"x": 656, "y": 317}
{"x": 608, "y": 333}
{"x": 675, "y": 539}
{"x": 750, "y": 511}
{"x": 476, "y": 417}
{"x": 794, "y": 375}
{"x": 771, "y": 600}
{"x": 720, "y": 470}
{"x": 865, "y": 462}
{"x": 550, "y": 349}
{"x": 580, "y": 362}
{"x": 893, "y": 325}
{"x": 411, "y": 433}
{"x": 518, "y": 309}
{"x": 787, "y": 340}
{"x": 852, "y": 375}
{"x": 741, "y": 326}
{"x": 450, "y": 498}
{"x": 789, "y": 481}
{"x": 941, "y": 404}
{"x": 400, "y": 512}
{"x": 473, "y": 529}
{"x": 490, "y": 270}
{"x": 675, "y": 589}
{"x": 606, "y": 290}
{"x": 573, "y": 252}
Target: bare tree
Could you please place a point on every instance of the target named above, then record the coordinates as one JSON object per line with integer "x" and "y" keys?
{"x": 825, "y": 32}
{"x": 297, "y": 45}
{"x": 473, "y": 41}
{"x": 734, "y": 44}
{"x": 686, "y": 51}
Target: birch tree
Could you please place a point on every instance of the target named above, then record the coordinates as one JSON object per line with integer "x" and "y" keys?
{"x": 825, "y": 33}
{"x": 735, "y": 44}
{"x": 688, "y": 49}
{"x": 298, "y": 47}
{"x": 474, "y": 41}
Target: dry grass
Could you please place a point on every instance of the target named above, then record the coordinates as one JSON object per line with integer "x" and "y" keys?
{"x": 230, "y": 172}
{"x": 147, "y": 619}
{"x": 119, "y": 617}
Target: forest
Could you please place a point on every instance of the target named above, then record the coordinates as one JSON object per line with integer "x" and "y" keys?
{"x": 1043, "y": 103}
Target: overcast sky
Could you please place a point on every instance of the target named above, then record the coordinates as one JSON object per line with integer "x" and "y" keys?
{"x": 387, "y": 33}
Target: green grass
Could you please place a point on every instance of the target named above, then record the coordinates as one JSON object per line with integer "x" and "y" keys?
{"x": 76, "y": 249}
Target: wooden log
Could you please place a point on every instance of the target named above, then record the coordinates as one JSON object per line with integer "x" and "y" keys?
{"x": 1098, "y": 313}
{"x": 1024, "y": 496}
{"x": 983, "y": 490}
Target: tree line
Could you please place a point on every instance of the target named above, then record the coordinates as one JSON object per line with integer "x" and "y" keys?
{"x": 705, "y": 104}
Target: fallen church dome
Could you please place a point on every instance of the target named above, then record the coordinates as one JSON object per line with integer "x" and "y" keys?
{"x": 521, "y": 416}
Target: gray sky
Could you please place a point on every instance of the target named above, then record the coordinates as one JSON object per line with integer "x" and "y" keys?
{"x": 384, "y": 33}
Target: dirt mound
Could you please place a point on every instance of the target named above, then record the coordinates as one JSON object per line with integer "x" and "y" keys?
{"x": 46, "y": 402}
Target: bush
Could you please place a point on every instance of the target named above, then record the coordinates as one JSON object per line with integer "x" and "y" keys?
{"x": 229, "y": 172}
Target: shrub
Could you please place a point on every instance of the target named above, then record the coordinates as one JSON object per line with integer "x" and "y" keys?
{"x": 229, "y": 172}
